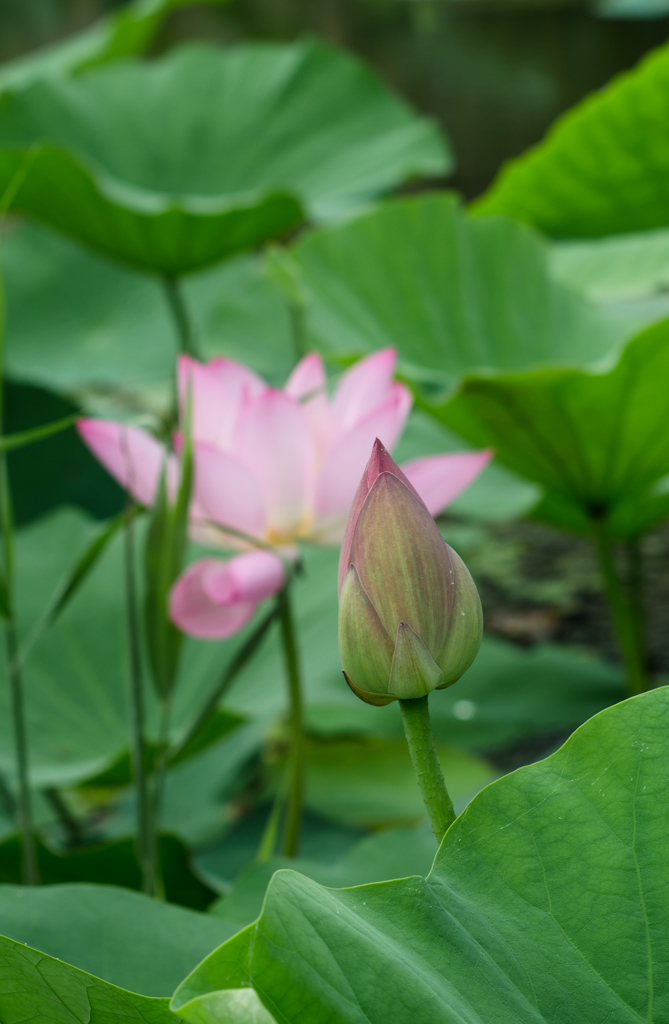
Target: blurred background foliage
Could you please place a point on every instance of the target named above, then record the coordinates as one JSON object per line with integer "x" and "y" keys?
{"x": 495, "y": 73}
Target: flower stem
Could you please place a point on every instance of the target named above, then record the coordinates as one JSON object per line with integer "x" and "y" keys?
{"x": 627, "y": 628}
{"x": 179, "y": 312}
{"x": 418, "y": 732}
{"x": 291, "y": 837}
{"x": 29, "y": 863}
{"x": 30, "y": 871}
{"x": 244, "y": 654}
{"x": 159, "y": 779}
{"x": 72, "y": 828}
{"x": 138, "y": 750}
{"x": 635, "y": 587}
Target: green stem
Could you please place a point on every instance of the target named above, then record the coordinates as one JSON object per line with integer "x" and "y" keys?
{"x": 30, "y": 872}
{"x": 7, "y": 801}
{"x": 137, "y": 713}
{"x": 298, "y": 325}
{"x": 418, "y": 732}
{"x": 622, "y": 612}
{"x": 635, "y": 587}
{"x": 241, "y": 658}
{"x": 159, "y": 779}
{"x": 24, "y": 804}
{"x": 71, "y": 825}
{"x": 182, "y": 321}
{"x": 291, "y": 837}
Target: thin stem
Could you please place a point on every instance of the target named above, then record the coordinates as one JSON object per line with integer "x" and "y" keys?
{"x": 71, "y": 825}
{"x": 635, "y": 587}
{"x": 298, "y": 325}
{"x": 7, "y": 801}
{"x": 622, "y": 612}
{"x": 137, "y": 712}
{"x": 291, "y": 837}
{"x": 418, "y": 732}
{"x": 179, "y": 311}
{"x": 24, "y": 805}
{"x": 30, "y": 872}
{"x": 159, "y": 779}
{"x": 270, "y": 833}
{"x": 227, "y": 679}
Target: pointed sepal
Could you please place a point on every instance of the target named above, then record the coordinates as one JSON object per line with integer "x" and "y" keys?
{"x": 414, "y": 672}
{"x": 365, "y": 647}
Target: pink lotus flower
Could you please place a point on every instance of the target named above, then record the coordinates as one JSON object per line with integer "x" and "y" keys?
{"x": 275, "y": 467}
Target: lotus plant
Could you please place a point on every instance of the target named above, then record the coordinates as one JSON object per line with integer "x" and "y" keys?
{"x": 410, "y": 618}
{"x": 272, "y": 468}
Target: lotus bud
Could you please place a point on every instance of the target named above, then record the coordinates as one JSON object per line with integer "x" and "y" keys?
{"x": 410, "y": 616}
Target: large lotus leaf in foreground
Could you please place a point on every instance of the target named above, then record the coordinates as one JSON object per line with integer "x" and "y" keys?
{"x": 602, "y": 168}
{"x": 174, "y": 164}
{"x": 95, "y": 953}
{"x": 547, "y": 904}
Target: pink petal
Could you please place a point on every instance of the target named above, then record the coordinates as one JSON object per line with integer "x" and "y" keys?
{"x": 363, "y": 387}
{"x": 132, "y": 456}
{"x": 440, "y": 478}
{"x": 307, "y": 384}
{"x": 307, "y": 377}
{"x": 216, "y": 392}
{"x": 225, "y": 492}
{"x": 252, "y": 576}
{"x": 213, "y": 598}
{"x": 344, "y": 464}
{"x": 276, "y": 446}
{"x": 194, "y": 612}
{"x": 208, "y": 400}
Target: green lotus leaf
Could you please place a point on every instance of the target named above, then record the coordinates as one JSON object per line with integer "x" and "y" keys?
{"x": 596, "y": 441}
{"x": 120, "y": 34}
{"x": 510, "y": 925}
{"x": 454, "y": 293}
{"x": 76, "y": 673}
{"x": 119, "y": 957}
{"x": 174, "y": 164}
{"x": 602, "y": 167}
{"x": 501, "y": 353}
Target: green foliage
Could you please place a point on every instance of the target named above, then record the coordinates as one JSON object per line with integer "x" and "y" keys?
{"x": 113, "y": 863}
{"x": 108, "y": 334}
{"x": 121, "y": 34}
{"x": 546, "y": 900}
{"x": 594, "y": 440}
{"x": 76, "y": 675}
{"x": 620, "y": 268}
{"x": 602, "y": 168}
{"x": 120, "y": 955}
{"x": 391, "y": 853}
{"x": 509, "y": 924}
{"x": 482, "y": 316}
{"x": 452, "y": 292}
{"x": 59, "y": 470}
{"x": 103, "y": 144}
